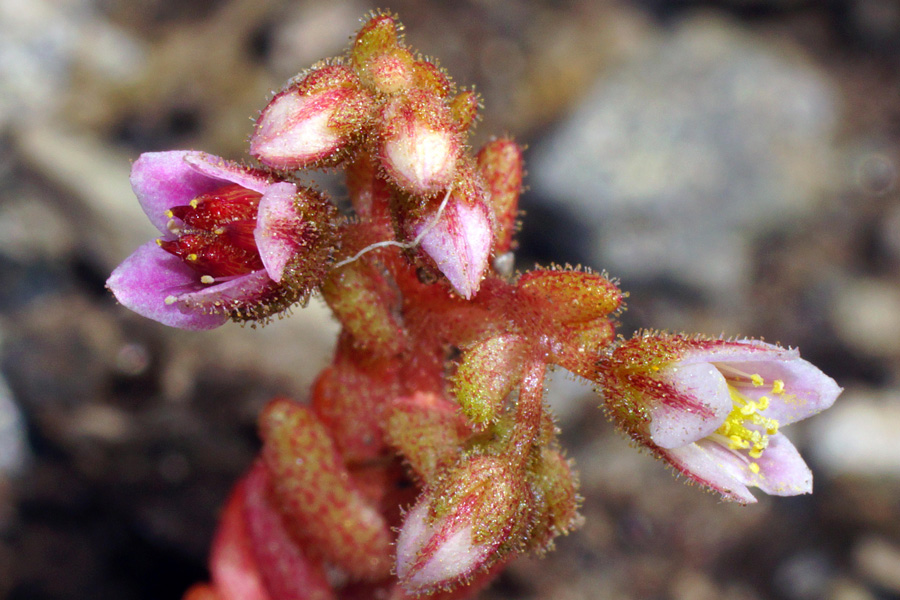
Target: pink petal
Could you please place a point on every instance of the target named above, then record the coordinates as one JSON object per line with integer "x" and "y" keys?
{"x": 227, "y": 171}
{"x": 241, "y": 291}
{"x": 162, "y": 180}
{"x": 677, "y": 423}
{"x": 782, "y": 471}
{"x": 807, "y": 390}
{"x": 460, "y": 244}
{"x": 734, "y": 351}
{"x": 148, "y": 277}
{"x": 278, "y": 226}
{"x": 712, "y": 465}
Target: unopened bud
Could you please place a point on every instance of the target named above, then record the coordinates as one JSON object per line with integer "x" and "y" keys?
{"x": 471, "y": 518}
{"x": 379, "y": 58}
{"x": 457, "y": 238}
{"x": 314, "y": 121}
{"x": 419, "y": 143}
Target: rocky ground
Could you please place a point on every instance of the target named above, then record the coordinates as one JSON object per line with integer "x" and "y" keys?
{"x": 734, "y": 163}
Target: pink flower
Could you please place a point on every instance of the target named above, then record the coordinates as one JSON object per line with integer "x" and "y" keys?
{"x": 714, "y": 409}
{"x": 234, "y": 243}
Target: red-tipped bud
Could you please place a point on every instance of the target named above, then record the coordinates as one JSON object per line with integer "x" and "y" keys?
{"x": 314, "y": 121}
{"x": 379, "y": 58}
{"x": 427, "y": 430}
{"x": 419, "y": 143}
{"x": 500, "y": 164}
{"x": 472, "y": 517}
{"x": 488, "y": 371}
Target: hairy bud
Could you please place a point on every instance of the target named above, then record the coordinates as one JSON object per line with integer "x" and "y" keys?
{"x": 467, "y": 521}
{"x": 314, "y": 121}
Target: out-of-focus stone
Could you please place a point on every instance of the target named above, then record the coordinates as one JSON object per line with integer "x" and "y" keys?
{"x": 681, "y": 155}
{"x": 866, "y": 314}
{"x": 858, "y": 435}
{"x": 878, "y": 561}
{"x": 14, "y": 450}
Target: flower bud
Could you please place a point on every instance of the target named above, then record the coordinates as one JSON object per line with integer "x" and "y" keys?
{"x": 419, "y": 144}
{"x": 314, "y": 121}
{"x": 714, "y": 408}
{"x": 379, "y": 58}
{"x": 456, "y": 239}
{"x": 467, "y": 521}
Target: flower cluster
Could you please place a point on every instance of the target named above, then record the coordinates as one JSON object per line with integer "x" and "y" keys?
{"x": 425, "y": 457}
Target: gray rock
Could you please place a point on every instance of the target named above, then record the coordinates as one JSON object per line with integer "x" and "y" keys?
{"x": 685, "y": 152}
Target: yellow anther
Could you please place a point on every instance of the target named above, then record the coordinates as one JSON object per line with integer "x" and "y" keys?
{"x": 763, "y": 403}
{"x": 170, "y": 300}
{"x": 191, "y": 257}
{"x": 194, "y": 203}
{"x": 219, "y": 230}
{"x": 207, "y": 279}
{"x": 749, "y": 408}
{"x": 170, "y": 214}
{"x": 756, "y": 452}
{"x": 754, "y": 467}
{"x": 755, "y": 437}
{"x": 757, "y": 379}
{"x": 772, "y": 429}
{"x": 778, "y": 387}
{"x": 159, "y": 242}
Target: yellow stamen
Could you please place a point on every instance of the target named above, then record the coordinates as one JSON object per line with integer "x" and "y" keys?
{"x": 745, "y": 412}
{"x": 207, "y": 279}
{"x": 778, "y": 386}
{"x": 191, "y": 257}
{"x": 757, "y": 379}
{"x": 194, "y": 203}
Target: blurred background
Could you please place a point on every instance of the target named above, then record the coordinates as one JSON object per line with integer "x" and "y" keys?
{"x": 733, "y": 163}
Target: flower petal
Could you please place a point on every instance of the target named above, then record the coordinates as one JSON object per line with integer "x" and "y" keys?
{"x": 162, "y": 180}
{"x": 736, "y": 351}
{"x": 679, "y": 419}
{"x": 225, "y": 170}
{"x": 246, "y": 290}
{"x": 277, "y": 228}
{"x": 807, "y": 390}
{"x": 714, "y": 466}
{"x": 782, "y": 471}
{"x": 148, "y": 277}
